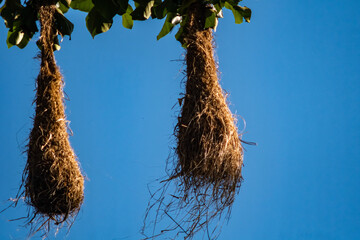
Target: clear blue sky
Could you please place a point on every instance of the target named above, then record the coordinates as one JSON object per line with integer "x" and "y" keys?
{"x": 292, "y": 73}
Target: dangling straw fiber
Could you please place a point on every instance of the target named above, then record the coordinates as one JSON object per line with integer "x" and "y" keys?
{"x": 54, "y": 185}
{"x": 209, "y": 155}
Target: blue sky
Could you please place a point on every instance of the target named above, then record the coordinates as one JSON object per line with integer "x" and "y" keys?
{"x": 292, "y": 74}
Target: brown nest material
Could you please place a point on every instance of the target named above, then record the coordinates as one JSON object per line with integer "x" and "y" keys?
{"x": 209, "y": 155}
{"x": 54, "y": 185}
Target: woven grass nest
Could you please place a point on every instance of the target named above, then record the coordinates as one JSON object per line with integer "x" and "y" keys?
{"x": 54, "y": 184}
{"x": 206, "y": 167}
{"x": 209, "y": 149}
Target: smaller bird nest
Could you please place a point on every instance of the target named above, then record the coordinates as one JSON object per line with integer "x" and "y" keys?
{"x": 208, "y": 155}
{"x": 208, "y": 145}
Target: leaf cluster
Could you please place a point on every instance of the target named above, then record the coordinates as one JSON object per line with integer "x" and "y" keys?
{"x": 22, "y": 19}
{"x": 101, "y": 13}
{"x": 176, "y": 12}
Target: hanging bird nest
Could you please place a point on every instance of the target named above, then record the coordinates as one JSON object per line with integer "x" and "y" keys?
{"x": 208, "y": 145}
{"x": 209, "y": 155}
{"x": 54, "y": 185}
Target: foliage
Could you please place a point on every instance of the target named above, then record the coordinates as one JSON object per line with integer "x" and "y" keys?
{"x": 22, "y": 22}
{"x": 176, "y": 12}
{"x": 100, "y": 18}
{"x": 22, "y": 19}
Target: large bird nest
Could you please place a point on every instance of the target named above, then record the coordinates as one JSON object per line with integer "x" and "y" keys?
{"x": 53, "y": 182}
{"x": 209, "y": 155}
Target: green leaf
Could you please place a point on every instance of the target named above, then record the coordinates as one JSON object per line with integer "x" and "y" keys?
{"x": 143, "y": 11}
{"x": 123, "y": 6}
{"x": 56, "y": 47}
{"x": 172, "y": 6}
{"x": 244, "y": 11}
{"x": 56, "y": 44}
{"x": 184, "y": 7}
{"x": 25, "y": 40}
{"x": 14, "y": 38}
{"x": 8, "y": 15}
{"x": 96, "y": 23}
{"x": 106, "y": 8}
{"x": 66, "y": 3}
{"x": 239, "y": 12}
{"x": 210, "y": 20}
{"x": 64, "y": 6}
{"x": 218, "y": 6}
{"x": 62, "y": 24}
{"x": 238, "y": 17}
{"x": 10, "y": 11}
{"x": 180, "y": 34}
{"x": 14, "y": 4}
{"x": 167, "y": 27}
{"x": 233, "y": 2}
{"x": 28, "y": 20}
{"x": 127, "y": 20}
{"x": 159, "y": 11}
{"x": 18, "y": 35}
{"x": 82, "y": 5}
